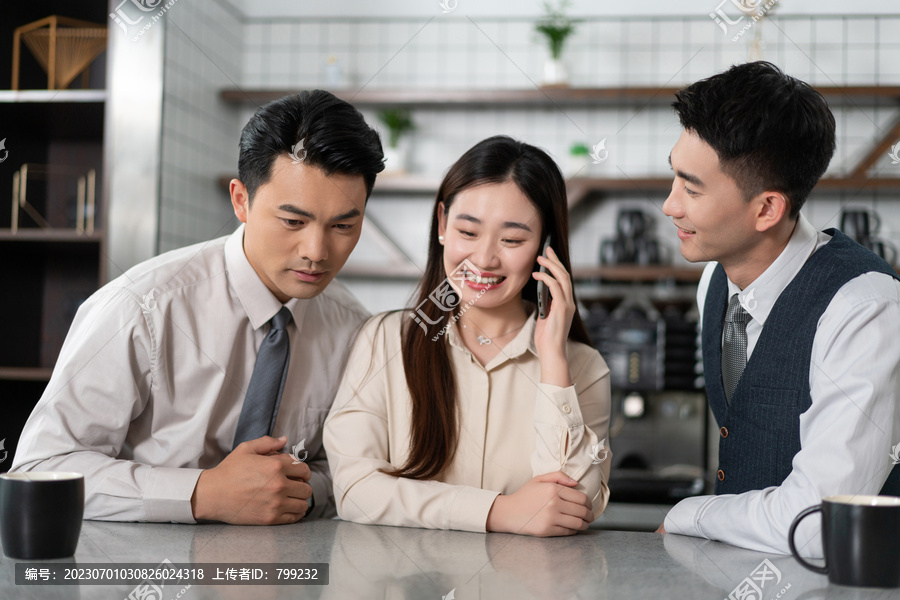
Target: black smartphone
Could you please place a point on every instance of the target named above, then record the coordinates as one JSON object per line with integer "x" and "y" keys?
{"x": 543, "y": 292}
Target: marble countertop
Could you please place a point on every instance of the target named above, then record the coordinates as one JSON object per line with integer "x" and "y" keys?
{"x": 369, "y": 561}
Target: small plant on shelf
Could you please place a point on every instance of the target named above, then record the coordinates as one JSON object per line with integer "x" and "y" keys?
{"x": 556, "y": 26}
{"x": 399, "y": 123}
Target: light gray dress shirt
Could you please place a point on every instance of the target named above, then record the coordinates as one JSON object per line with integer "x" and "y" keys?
{"x": 151, "y": 379}
{"x": 846, "y": 434}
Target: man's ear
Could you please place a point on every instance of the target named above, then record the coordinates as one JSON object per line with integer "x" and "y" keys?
{"x": 240, "y": 199}
{"x": 772, "y": 207}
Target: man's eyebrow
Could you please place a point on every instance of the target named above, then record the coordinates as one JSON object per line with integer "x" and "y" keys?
{"x": 692, "y": 179}
{"x": 297, "y": 211}
{"x": 303, "y": 213}
{"x": 347, "y": 215}
{"x": 506, "y": 225}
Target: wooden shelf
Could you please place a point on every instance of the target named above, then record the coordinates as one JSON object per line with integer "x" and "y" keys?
{"x": 25, "y": 373}
{"x": 535, "y": 97}
{"x": 579, "y": 188}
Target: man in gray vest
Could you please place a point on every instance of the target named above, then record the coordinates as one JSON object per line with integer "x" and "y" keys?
{"x": 799, "y": 327}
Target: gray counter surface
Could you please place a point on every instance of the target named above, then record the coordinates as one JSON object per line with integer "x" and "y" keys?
{"x": 391, "y": 562}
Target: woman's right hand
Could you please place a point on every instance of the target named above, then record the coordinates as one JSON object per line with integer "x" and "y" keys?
{"x": 545, "y": 506}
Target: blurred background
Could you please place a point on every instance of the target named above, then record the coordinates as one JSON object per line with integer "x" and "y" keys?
{"x": 120, "y": 123}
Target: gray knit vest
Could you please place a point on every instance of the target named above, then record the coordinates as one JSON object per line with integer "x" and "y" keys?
{"x": 760, "y": 427}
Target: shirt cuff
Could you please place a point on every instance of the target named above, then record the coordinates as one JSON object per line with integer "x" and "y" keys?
{"x": 470, "y": 509}
{"x": 684, "y": 517}
{"x": 168, "y": 497}
{"x": 555, "y": 404}
{"x": 320, "y": 487}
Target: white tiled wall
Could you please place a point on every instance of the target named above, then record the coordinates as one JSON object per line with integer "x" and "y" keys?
{"x": 200, "y": 132}
{"x": 200, "y": 140}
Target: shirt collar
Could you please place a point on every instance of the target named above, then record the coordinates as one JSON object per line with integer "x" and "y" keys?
{"x": 523, "y": 342}
{"x": 759, "y": 297}
{"x": 258, "y": 301}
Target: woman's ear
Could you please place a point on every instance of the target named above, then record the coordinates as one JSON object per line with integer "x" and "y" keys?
{"x": 442, "y": 220}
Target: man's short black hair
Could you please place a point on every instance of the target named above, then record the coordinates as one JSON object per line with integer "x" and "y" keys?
{"x": 334, "y": 135}
{"x": 770, "y": 131}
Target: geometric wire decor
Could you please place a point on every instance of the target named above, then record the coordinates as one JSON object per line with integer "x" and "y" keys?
{"x": 64, "y": 48}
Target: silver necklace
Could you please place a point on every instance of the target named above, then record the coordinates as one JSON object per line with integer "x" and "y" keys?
{"x": 483, "y": 340}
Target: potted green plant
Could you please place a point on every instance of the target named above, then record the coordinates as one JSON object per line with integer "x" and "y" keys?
{"x": 556, "y": 26}
{"x": 579, "y": 160}
{"x": 399, "y": 123}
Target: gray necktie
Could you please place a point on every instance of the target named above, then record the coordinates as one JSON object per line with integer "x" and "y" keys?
{"x": 734, "y": 346}
{"x": 267, "y": 381}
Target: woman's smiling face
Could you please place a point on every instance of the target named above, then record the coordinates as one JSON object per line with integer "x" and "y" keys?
{"x": 492, "y": 234}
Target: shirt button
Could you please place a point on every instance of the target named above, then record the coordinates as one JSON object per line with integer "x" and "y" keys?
{"x": 724, "y": 432}
{"x": 566, "y": 408}
{"x": 721, "y": 475}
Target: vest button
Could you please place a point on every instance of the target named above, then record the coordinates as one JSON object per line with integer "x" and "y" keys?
{"x": 721, "y": 475}
{"x": 724, "y": 432}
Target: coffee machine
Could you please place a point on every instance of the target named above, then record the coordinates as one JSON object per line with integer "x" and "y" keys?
{"x": 659, "y": 411}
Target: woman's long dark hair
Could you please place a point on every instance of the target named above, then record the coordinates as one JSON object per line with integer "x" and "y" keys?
{"x": 429, "y": 373}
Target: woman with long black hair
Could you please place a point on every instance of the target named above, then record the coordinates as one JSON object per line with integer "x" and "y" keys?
{"x": 468, "y": 411}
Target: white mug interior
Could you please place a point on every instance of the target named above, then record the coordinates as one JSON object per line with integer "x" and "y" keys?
{"x": 864, "y": 500}
{"x": 41, "y": 476}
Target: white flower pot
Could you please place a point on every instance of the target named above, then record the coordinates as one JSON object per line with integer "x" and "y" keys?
{"x": 395, "y": 160}
{"x": 555, "y": 73}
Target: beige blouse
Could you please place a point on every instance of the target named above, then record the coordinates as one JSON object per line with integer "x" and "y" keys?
{"x": 511, "y": 429}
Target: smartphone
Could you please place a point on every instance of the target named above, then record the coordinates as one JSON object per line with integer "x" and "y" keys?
{"x": 543, "y": 292}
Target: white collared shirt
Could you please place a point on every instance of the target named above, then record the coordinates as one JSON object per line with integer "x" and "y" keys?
{"x": 149, "y": 385}
{"x": 847, "y": 433}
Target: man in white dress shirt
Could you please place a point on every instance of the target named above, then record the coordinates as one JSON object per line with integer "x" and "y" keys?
{"x": 149, "y": 386}
{"x": 799, "y": 327}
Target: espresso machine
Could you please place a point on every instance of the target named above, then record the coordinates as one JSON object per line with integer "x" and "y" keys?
{"x": 659, "y": 410}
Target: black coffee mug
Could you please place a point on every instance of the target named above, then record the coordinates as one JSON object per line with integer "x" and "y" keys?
{"x": 40, "y": 513}
{"x": 860, "y": 538}
{"x": 631, "y": 224}
{"x": 860, "y": 223}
